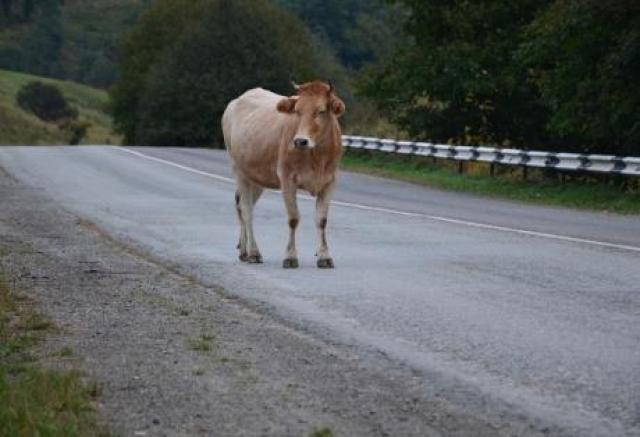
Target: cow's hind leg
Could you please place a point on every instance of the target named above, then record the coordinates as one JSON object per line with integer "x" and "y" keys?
{"x": 322, "y": 212}
{"x": 248, "y": 196}
{"x": 242, "y": 240}
{"x": 291, "y": 204}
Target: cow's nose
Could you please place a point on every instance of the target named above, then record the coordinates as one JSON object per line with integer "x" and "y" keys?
{"x": 301, "y": 143}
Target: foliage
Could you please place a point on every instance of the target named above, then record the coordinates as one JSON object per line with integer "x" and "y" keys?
{"x": 42, "y": 48}
{"x": 584, "y": 58}
{"x": 454, "y": 81}
{"x": 92, "y": 38}
{"x": 45, "y": 101}
{"x": 156, "y": 29}
{"x": 357, "y": 30}
{"x": 186, "y": 60}
{"x": 70, "y": 39}
{"x": 77, "y": 131}
{"x": 595, "y": 192}
{"x": 559, "y": 75}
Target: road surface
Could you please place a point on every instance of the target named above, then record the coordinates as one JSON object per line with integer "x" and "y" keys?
{"x": 511, "y": 310}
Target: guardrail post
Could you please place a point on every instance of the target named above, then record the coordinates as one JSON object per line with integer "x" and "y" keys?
{"x": 460, "y": 167}
{"x": 492, "y": 169}
{"x": 524, "y": 172}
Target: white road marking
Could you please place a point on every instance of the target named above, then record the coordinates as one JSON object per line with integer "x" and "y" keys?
{"x": 402, "y": 213}
{"x": 173, "y": 164}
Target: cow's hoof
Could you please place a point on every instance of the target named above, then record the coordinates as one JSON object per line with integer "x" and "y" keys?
{"x": 325, "y": 263}
{"x": 290, "y": 263}
{"x": 254, "y": 259}
{"x": 243, "y": 257}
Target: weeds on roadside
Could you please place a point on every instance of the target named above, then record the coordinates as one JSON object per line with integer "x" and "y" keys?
{"x": 34, "y": 400}
{"x": 321, "y": 432}
{"x": 203, "y": 343}
{"x": 591, "y": 193}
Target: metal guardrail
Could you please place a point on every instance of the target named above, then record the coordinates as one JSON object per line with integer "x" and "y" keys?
{"x": 523, "y": 158}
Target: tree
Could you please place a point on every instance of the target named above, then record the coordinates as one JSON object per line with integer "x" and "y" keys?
{"x": 70, "y": 39}
{"x": 45, "y": 101}
{"x": 455, "y": 79}
{"x": 336, "y": 23}
{"x": 43, "y": 46}
{"x": 157, "y": 28}
{"x": 584, "y": 58}
{"x": 174, "y": 87}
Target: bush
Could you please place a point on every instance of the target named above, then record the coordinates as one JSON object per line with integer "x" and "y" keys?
{"x": 555, "y": 74}
{"x": 46, "y": 102}
{"x": 186, "y": 60}
{"x": 584, "y": 59}
{"x": 76, "y": 130}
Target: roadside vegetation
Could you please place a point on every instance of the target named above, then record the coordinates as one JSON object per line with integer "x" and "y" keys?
{"x": 558, "y": 75}
{"x": 35, "y": 400}
{"x": 592, "y": 192}
{"x": 22, "y": 126}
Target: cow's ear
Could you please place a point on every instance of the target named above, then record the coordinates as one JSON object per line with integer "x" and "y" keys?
{"x": 337, "y": 106}
{"x": 287, "y": 105}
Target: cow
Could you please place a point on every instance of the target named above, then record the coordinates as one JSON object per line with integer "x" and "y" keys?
{"x": 286, "y": 143}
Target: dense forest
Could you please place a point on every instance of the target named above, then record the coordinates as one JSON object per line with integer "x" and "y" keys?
{"x": 559, "y": 75}
{"x": 72, "y": 39}
{"x": 550, "y": 74}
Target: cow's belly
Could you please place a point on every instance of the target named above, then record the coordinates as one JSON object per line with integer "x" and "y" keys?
{"x": 259, "y": 174}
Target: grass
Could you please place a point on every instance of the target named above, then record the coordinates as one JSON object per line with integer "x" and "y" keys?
{"x": 20, "y": 127}
{"x": 321, "y": 432}
{"x": 35, "y": 400}
{"x": 584, "y": 193}
{"x": 65, "y": 352}
{"x": 203, "y": 343}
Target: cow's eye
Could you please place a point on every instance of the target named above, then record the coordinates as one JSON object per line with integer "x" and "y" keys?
{"x": 321, "y": 113}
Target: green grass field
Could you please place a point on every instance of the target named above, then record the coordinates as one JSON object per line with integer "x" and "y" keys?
{"x": 20, "y": 127}
{"x": 592, "y": 194}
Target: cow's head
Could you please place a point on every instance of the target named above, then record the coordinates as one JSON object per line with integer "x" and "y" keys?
{"x": 317, "y": 107}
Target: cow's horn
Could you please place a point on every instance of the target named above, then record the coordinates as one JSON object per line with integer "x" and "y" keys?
{"x": 295, "y": 85}
{"x": 331, "y": 87}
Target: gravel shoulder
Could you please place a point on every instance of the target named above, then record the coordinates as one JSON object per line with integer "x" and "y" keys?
{"x": 175, "y": 357}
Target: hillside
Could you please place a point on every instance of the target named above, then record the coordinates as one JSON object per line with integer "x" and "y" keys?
{"x": 20, "y": 127}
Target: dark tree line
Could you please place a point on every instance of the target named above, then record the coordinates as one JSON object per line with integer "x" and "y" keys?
{"x": 562, "y": 75}
{"x": 357, "y": 31}
{"x": 71, "y": 39}
{"x": 186, "y": 59}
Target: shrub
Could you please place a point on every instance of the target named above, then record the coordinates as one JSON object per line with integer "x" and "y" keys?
{"x": 183, "y": 66}
{"x": 76, "y": 130}
{"x": 46, "y": 102}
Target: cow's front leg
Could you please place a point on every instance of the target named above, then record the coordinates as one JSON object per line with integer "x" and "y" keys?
{"x": 290, "y": 202}
{"x": 322, "y": 212}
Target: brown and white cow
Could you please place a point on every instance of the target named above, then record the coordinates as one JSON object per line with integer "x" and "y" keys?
{"x": 288, "y": 143}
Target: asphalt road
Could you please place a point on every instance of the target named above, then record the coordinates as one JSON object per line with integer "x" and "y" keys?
{"x": 511, "y": 310}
